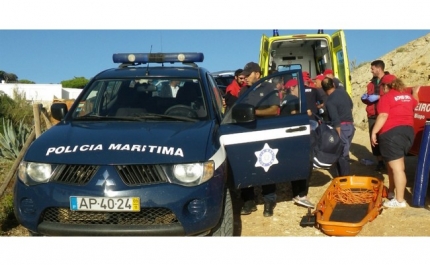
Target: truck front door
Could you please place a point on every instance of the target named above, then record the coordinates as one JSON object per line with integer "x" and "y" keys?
{"x": 268, "y": 150}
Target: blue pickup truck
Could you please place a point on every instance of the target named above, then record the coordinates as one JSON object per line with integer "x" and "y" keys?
{"x": 146, "y": 150}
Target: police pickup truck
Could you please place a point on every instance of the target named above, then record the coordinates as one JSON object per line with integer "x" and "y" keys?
{"x": 146, "y": 150}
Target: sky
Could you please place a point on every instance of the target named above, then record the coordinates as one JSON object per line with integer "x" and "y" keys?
{"x": 60, "y": 40}
{"x": 51, "y": 56}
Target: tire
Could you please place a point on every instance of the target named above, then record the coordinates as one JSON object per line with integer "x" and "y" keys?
{"x": 225, "y": 225}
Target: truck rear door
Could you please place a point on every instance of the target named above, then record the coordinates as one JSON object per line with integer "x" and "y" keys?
{"x": 340, "y": 59}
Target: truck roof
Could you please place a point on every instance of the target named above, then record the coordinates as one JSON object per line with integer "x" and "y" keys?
{"x": 157, "y": 71}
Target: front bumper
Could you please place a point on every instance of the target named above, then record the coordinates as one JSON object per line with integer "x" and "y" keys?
{"x": 111, "y": 230}
{"x": 166, "y": 210}
{"x": 55, "y": 229}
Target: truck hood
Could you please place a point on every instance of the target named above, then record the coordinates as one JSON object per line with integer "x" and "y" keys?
{"x": 104, "y": 143}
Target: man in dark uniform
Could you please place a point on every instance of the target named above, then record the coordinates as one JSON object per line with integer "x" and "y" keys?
{"x": 313, "y": 100}
{"x": 266, "y": 101}
{"x": 339, "y": 109}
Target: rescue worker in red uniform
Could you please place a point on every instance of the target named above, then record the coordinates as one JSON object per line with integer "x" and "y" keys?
{"x": 371, "y": 99}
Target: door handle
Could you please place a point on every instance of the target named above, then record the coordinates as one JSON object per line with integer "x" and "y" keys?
{"x": 297, "y": 129}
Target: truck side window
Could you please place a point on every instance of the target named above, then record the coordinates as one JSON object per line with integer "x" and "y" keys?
{"x": 263, "y": 97}
{"x": 217, "y": 97}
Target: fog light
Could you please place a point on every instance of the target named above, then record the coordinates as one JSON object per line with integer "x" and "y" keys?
{"x": 27, "y": 206}
{"x": 197, "y": 208}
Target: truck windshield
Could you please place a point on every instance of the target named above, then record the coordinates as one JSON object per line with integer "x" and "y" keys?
{"x": 127, "y": 98}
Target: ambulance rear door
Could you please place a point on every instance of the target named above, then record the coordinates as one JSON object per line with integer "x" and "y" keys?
{"x": 340, "y": 59}
{"x": 264, "y": 55}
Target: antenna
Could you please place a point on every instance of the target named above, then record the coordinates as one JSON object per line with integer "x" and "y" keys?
{"x": 147, "y": 66}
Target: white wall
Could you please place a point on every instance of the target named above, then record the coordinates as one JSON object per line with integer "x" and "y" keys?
{"x": 70, "y": 93}
{"x": 40, "y": 93}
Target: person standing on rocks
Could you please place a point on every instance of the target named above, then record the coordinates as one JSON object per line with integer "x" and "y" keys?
{"x": 339, "y": 110}
{"x": 394, "y": 133}
{"x": 266, "y": 97}
{"x": 371, "y": 99}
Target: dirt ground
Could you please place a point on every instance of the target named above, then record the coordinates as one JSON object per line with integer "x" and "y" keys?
{"x": 410, "y": 221}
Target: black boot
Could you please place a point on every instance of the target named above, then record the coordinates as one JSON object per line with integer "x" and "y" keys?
{"x": 248, "y": 207}
{"x": 268, "y": 208}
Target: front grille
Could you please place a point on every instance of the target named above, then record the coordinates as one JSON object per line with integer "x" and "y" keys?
{"x": 131, "y": 175}
{"x": 74, "y": 174}
{"x": 146, "y": 216}
{"x": 141, "y": 174}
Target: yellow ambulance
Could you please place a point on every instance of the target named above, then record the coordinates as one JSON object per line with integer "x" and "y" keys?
{"x": 313, "y": 53}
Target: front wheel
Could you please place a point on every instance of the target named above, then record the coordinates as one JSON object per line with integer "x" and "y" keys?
{"x": 225, "y": 225}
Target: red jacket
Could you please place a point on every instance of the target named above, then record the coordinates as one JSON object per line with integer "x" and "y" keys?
{"x": 371, "y": 107}
{"x": 231, "y": 93}
{"x": 233, "y": 88}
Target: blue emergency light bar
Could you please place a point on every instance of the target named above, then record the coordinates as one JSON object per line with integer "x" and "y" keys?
{"x": 142, "y": 58}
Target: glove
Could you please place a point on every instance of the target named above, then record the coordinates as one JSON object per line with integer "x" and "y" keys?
{"x": 364, "y": 97}
{"x": 373, "y": 98}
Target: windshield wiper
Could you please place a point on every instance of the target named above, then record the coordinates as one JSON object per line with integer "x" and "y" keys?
{"x": 140, "y": 117}
{"x": 98, "y": 117}
{"x": 162, "y": 116}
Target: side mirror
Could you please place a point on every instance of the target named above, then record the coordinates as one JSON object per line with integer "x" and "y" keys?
{"x": 243, "y": 113}
{"x": 58, "y": 110}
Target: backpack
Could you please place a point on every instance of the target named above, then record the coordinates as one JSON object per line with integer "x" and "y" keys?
{"x": 326, "y": 146}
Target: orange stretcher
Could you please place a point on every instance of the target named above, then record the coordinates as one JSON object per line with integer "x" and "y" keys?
{"x": 348, "y": 204}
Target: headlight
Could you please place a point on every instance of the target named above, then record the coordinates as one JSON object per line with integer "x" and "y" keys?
{"x": 190, "y": 174}
{"x": 34, "y": 173}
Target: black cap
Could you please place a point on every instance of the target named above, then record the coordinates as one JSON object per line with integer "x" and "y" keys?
{"x": 251, "y": 67}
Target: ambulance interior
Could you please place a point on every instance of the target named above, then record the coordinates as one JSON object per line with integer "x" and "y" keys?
{"x": 310, "y": 55}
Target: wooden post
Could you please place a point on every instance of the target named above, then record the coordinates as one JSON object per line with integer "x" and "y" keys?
{"x": 36, "y": 114}
{"x": 17, "y": 162}
{"x": 46, "y": 119}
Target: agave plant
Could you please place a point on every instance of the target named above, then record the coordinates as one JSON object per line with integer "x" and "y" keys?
{"x": 13, "y": 139}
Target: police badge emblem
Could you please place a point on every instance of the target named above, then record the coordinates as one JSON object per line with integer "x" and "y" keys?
{"x": 266, "y": 157}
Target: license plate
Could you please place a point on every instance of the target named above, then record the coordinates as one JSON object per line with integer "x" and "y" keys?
{"x": 104, "y": 204}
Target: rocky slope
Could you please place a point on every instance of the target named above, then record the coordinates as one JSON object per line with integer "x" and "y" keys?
{"x": 411, "y": 62}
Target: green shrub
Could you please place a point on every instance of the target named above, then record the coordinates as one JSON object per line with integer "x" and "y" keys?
{"x": 17, "y": 109}
{"x": 401, "y": 49}
{"x": 76, "y": 82}
{"x": 13, "y": 139}
{"x": 6, "y": 207}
